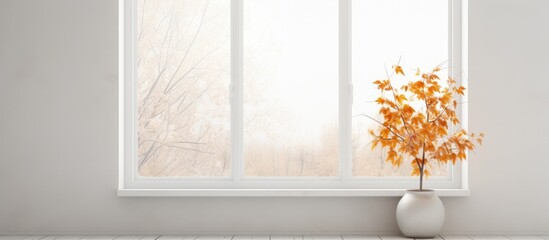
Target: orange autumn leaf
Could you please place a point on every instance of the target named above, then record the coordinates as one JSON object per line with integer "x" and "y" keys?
{"x": 400, "y": 98}
{"x": 398, "y": 69}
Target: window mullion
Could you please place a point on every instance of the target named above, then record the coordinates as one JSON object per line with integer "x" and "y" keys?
{"x": 345, "y": 90}
{"x": 237, "y": 89}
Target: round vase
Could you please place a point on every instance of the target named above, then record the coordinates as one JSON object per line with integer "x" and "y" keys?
{"x": 420, "y": 214}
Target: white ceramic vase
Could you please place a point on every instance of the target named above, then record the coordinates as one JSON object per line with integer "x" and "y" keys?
{"x": 420, "y": 214}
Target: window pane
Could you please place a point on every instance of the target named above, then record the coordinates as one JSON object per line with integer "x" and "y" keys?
{"x": 383, "y": 32}
{"x": 291, "y": 87}
{"x": 183, "y": 58}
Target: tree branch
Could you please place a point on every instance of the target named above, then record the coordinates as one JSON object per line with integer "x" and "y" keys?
{"x": 443, "y": 111}
{"x": 389, "y": 128}
{"x": 189, "y": 48}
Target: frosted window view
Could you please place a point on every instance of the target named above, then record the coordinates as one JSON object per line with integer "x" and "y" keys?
{"x": 183, "y": 76}
{"x": 291, "y": 88}
{"x": 384, "y": 31}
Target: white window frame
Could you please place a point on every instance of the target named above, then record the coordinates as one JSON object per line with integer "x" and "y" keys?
{"x": 131, "y": 184}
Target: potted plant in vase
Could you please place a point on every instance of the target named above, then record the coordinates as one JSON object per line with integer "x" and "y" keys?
{"x": 415, "y": 122}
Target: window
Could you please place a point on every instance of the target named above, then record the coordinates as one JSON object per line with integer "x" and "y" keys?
{"x": 261, "y": 97}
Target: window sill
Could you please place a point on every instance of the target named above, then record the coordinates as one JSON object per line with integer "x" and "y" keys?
{"x": 280, "y": 192}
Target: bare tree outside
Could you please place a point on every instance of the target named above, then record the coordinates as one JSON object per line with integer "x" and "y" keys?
{"x": 183, "y": 59}
{"x": 380, "y": 39}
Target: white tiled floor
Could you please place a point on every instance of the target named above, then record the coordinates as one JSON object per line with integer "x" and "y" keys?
{"x": 532, "y": 237}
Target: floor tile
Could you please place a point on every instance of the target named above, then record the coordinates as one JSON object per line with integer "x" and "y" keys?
{"x": 98, "y": 238}
{"x": 62, "y": 238}
{"x": 137, "y": 238}
{"x": 455, "y": 237}
{"x": 322, "y": 238}
{"x": 489, "y": 238}
{"x": 21, "y": 237}
{"x": 252, "y": 238}
{"x": 286, "y": 238}
{"x": 178, "y": 237}
{"x": 524, "y": 237}
{"x": 394, "y": 238}
{"x": 213, "y": 238}
{"x": 361, "y": 237}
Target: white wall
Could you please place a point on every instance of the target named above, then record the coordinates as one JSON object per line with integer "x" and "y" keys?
{"x": 58, "y": 135}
